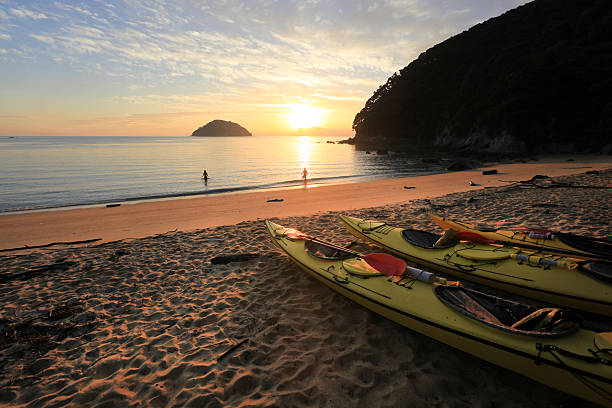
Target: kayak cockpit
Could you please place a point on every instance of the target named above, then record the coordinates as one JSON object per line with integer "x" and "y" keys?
{"x": 597, "y": 247}
{"x": 600, "y": 270}
{"x": 425, "y": 239}
{"x": 513, "y": 317}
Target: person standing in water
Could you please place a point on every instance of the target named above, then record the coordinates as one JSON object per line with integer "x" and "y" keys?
{"x": 205, "y": 176}
{"x": 304, "y": 174}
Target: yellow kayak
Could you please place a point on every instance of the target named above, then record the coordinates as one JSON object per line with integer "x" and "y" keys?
{"x": 547, "y": 241}
{"x": 584, "y": 285}
{"x": 546, "y": 345}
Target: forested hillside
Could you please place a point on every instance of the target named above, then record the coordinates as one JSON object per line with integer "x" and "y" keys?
{"x": 537, "y": 78}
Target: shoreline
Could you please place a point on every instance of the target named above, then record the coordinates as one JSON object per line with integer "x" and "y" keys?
{"x": 298, "y": 183}
{"x": 142, "y": 219}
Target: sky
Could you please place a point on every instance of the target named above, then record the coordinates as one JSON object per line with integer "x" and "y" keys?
{"x": 166, "y": 67}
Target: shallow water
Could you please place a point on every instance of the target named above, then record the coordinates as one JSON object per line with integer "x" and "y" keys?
{"x": 42, "y": 172}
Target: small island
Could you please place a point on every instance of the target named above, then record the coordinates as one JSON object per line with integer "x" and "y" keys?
{"x": 221, "y": 128}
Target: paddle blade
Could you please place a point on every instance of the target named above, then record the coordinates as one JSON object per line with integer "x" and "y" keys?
{"x": 386, "y": 264}
{"x": 473, "y": 237}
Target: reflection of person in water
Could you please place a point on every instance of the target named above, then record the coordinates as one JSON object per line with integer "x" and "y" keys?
{"x": 304, "y": 174}
{"x": 205, "y": 176}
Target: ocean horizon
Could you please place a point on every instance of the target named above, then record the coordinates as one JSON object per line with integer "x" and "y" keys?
{"x": 44, "y": 172}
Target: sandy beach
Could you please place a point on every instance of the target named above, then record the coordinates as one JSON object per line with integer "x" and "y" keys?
{"x": 143, "y": 318}
{"x": 138, "y": 220}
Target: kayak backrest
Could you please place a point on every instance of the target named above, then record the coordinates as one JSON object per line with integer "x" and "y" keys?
{"x": 423, "y": 239}
{"x": 507, "y": 315}
{"x": 323, "y": 251}
{"x": 600, "y": 270}
{"x": 603, "y": 342}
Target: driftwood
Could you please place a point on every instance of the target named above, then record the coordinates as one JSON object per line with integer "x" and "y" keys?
{"x": 87, "y": 241}
{"x": 231, "y": 349}
{"x": 58, "y": 266}
{"x": 549, "y": 183}
{"x": 545, "y": 205}
{"x": 225, "y": 259}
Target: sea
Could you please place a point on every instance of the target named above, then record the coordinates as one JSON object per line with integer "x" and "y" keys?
{"x": 58, "y": 172}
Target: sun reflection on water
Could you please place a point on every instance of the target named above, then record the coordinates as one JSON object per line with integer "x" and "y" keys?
{"x": 305, "y": 150}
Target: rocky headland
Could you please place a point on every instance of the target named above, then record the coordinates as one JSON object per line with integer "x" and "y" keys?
{"x": 533, "y": 80}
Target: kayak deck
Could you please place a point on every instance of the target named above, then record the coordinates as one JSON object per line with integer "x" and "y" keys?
{"x": 551, "y": 278}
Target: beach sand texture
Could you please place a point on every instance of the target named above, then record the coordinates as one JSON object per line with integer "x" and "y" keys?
{"x": 151, "y": 322}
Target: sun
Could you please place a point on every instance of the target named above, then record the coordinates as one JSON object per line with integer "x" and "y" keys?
{"x": 305, "y": 116}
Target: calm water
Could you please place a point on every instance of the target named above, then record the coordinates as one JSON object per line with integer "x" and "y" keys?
{"x": 42, "y": 172}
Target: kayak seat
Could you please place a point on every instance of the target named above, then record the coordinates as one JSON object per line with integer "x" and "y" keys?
{"x": 323, "y": 251}
{"x": 423, "y": 239}
{"x": 507, "y": 315}
{"x": 541, "y": 319}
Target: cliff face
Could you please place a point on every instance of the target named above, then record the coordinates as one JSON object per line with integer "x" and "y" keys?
{"x": 535, "y": 79}
{"x": 221, "y": 128}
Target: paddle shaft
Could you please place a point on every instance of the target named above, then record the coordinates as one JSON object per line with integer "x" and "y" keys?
{"x": 474, "y": 237}
{"x": 561, "y": 234}
{"x": 320, "y": 241}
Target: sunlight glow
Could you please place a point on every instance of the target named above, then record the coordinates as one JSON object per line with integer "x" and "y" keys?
{"x": 305, "y": 116}
{"x": 304, "y": 149}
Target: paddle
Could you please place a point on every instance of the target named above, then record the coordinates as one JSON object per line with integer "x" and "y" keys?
{"x": 384, "y": 263}
{"x": 545, "y": 233}
{"x": 479, "y": 239}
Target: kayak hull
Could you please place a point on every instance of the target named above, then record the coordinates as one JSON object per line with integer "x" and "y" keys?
{"x": 497, "y": 268}
{"x": 418, "y": 309}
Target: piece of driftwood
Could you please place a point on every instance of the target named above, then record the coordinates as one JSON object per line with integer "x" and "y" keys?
{"x": 225, "y": 259}
{"x": 231, "y": 349}
{"x": 87, "y": 241}
{"x": 58, "y": 266}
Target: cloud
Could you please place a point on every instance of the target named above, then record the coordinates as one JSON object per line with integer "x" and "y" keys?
{"x": 43, "y": 38}
{"x": 22, "y": 12}
{"x": 190, "y": 55}
{"x": 67, "y": 7}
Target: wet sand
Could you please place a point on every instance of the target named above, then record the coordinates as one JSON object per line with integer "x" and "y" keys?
{"x": 152, "y": 322}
